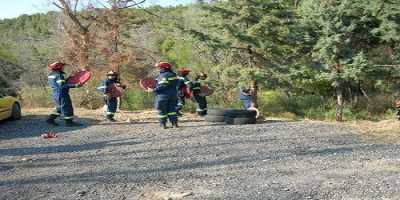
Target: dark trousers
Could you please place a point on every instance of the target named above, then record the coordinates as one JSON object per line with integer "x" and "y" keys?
{"x": 181, "y": 102}
{"x": 201, "y": 104}
{"x": 166, "y": 107}
{"x": 63, "y": 106}
{"x": 112, "y": 104}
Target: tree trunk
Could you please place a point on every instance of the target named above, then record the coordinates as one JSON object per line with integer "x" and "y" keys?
{"x": 254, "y": 93}
{"x": 339, "y": 103}
{"x": 84, "y": 50}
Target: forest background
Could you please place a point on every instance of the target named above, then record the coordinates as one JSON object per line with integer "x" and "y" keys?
{"x": 316, "y": 59}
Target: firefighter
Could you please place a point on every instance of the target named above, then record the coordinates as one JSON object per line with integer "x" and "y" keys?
{"x": 166, "y": 94}
{"x": 110, "y": 100}
{"x": 61, "y": 95}
{"x": 183, "y": 91}
{"x": 246, "y": 97}
{"x": 198, "y": 97}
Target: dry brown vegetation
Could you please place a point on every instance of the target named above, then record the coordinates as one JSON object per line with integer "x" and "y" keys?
{"x": 383, "y": 131}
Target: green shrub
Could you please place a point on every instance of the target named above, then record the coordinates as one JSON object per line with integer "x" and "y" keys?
{"x": 301, "y": 104}
{"x": 318, "y": 113}
{"x": 137, "y": 99}
{"x": 379, "y": 104}
{"x": 390, "y": 114}
{"x": 87, "y": 97}
{"x": 36, "y": 97}
{"x": 273, "y": 102}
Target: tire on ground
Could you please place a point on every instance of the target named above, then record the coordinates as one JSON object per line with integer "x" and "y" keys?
{"x": 240, "y": 120}
{"x": 16, "y": 112}
{"x": 213, "y": 118}
{"x": 218, "y": 112}
{"x": 241, "y": 113}
{"x": 229, "y": 120}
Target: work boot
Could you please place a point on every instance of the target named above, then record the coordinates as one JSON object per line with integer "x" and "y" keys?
{"x": 175, "y": 125}
{"x": 71, "y": 123}
{"x": 111, "y": 118}
{"x": 178, "y": 113}
{"x": 398, "y": 115}
{"x": 164, "y": 125}
{"x": 202, "y": 113}
{"x": 52, "y": 120}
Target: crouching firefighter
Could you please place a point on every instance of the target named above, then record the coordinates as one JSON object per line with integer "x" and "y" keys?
{"x": 198, "y": 97}
{"x": 109, "y": 99}
{"x": 184, "y": 87}
{"x": 166, "y": 95}
{"x": 246, "y": 97}
{"x": 61, "y": 95}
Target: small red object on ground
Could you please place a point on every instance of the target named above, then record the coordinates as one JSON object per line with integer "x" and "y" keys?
{"x": 80, "y": 77}
{"x": 148, "y": 83}
{"x": 206, "y": 91}
{"x": 49, "y": 135}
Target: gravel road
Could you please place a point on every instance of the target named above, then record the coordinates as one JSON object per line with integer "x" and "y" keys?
{"x": 137, "y": 160}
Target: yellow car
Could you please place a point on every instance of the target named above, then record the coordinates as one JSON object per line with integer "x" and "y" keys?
{"x": 10, "y": 108}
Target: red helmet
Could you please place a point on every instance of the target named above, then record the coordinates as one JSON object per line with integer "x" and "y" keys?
{"x": 184, "y": 71}
{"x": 56, "y": 65}
{"x": 163, "y": 65}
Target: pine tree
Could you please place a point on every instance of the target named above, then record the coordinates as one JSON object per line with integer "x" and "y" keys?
{"x": 254, "y": 33}
{"x": 343, "y": 36}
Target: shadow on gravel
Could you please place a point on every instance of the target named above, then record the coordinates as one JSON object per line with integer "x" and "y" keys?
{"x": 137, "y": 174}
{"x": 35, "y": 125}
{"x": 210, "y": 124}
{"x": 24, "y": 151}
{"x": 274, "y": 121}
{"x": 158, "y": 171}
{"x": 155, "y": 172}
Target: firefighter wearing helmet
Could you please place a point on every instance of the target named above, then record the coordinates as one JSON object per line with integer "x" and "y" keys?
{"x": 183, "y": 91}
{"x": 62, "y": 99}
{"x": 166, "y": 92}
{"x": 196, "y": 89}
{"x": 110, "y": 100}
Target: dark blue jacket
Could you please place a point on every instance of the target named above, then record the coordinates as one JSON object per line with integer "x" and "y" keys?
{"x": 167, "y": 83}
{"x": 195, "y": 86}
{"x": 105, "y": 84}
{"x": 59, "y": 85}
{"x": 184, "y": 80}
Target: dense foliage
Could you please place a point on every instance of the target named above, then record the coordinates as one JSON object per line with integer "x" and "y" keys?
{"x": 311, "y": 58}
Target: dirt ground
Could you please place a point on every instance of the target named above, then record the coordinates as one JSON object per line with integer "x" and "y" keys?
{"x": 135, "y": 159}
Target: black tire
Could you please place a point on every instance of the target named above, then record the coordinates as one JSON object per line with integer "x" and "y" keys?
{"x": 218, "y": 112}
{"x": 213, "y": 118}
{"x": 229, "y": 120}
{"x": 241, "y": 114}
{"x": 240, "y": 120}
{"x": 16, "y": 112}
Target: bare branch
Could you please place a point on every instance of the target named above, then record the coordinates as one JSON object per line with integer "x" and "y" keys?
{"x": 126, "y": 4}
{"x": 76, "y": 6}
{"x": 68, "y": 12}
{"x": 58, "y": 6}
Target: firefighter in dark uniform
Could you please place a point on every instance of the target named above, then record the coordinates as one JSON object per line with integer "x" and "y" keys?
{"x": 200, "y": 99}
{"x": 110, "y": 100}
{"x": 61, "y": 95}
{"x": 183, "y": 90}
{"x": 166, "y": 94}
